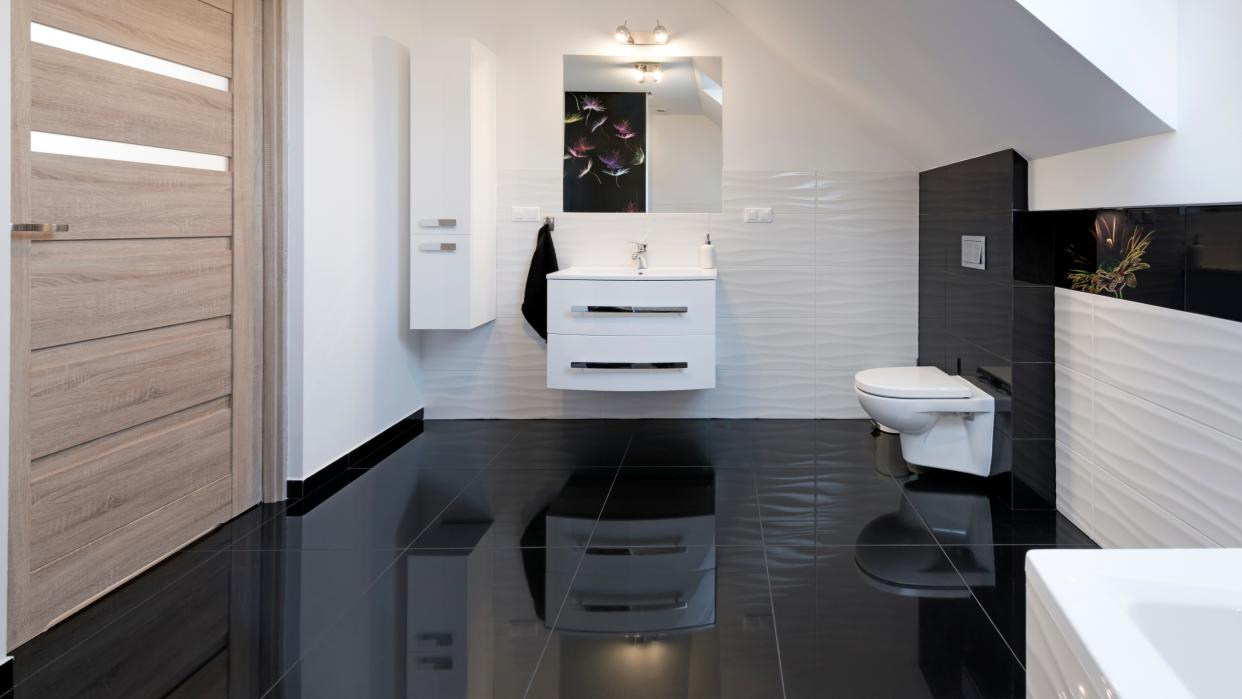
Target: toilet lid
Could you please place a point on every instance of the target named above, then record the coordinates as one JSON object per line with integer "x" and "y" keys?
{"x": 911, "y": 382}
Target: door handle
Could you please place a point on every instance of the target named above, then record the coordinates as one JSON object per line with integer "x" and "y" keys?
{"x": 38, "y": 230}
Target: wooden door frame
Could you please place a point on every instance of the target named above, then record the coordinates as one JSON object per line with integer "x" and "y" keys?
{"x": 274, "y": 203}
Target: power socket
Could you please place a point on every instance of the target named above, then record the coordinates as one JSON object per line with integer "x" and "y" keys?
{"x": 524, "y": 213}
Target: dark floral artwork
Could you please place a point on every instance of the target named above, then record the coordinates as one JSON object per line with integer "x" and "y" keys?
{"x": 605, "y": 152}
{"x": 1118, "y": 257}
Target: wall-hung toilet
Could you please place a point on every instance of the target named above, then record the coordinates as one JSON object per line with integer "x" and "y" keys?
{"x": 944, "y": 421}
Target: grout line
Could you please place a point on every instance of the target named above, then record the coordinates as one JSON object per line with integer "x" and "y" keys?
{"x": 330, "y": 626}
{"x": 569, "y": 590}
{"x": 971, "y": 590}
{"x": 767, "y": 576}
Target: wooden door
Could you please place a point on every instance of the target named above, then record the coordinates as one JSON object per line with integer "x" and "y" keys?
{"x": 136, "y": 270}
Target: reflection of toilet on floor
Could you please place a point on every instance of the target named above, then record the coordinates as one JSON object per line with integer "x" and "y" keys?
{"x": 959, "y": 512}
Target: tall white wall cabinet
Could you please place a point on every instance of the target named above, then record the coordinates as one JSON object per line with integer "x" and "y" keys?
{"x": 452, "y": 184}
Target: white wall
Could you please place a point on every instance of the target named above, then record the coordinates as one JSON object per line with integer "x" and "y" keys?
{"x": 684, "y": 163}
{"x": 353, "y": 364}
{"x": 1199, "y": 163}
{"x": 828, "y": 289}
{"x": 1148, "y": 423}
{"x": 774, "y": 119}
{"x": 1133, "y": 41}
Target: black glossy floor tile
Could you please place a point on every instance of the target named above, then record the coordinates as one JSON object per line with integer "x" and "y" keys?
{"x": 884, "y": 622}
{"x": 762, "y": 443}
{"x": 671, "y": 443}
{"x": 723, "y": 559}
{"x": 997, "y": 578}
{"x": 689, "y": 623}
{"x": 722, "y": 500}
{"x": 849, "y": 444}
{"x": 962, "y": 510}
{"x": 836, "y": 507}
{"x": 576, "y": 443}
{"x": 514, "y": 503}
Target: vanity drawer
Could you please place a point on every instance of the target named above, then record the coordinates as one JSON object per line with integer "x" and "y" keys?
{"x": 633, "y": 604}
{"x": 621, "y": 547}
{"x": 631, "y": 362}
{"x": 588, "y": 307}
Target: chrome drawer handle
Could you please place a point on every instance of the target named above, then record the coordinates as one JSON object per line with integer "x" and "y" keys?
{"x": 437, "y": 223}
{"x": 670, "y": 550}
{"x": 437, "y": 247}
{"x": 629, "y": 365}
{"x": 629, "y": 309}
{"x": 624, "y": 608}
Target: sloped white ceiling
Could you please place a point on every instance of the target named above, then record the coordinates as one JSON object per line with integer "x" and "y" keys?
{"x": 947, "y": 80}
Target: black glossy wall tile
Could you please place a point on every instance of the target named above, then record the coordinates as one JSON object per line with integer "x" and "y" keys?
{"x": 1034, "y": 474}
{"x": 1034, "y": 394}
{"x": 1034, "y": 250}
{"x": 968, "y": 318}
{"x": 988, "y": 183}
{"x": 979, "y": 313}
{"x": 1033, "y": 326}
{"x": 1214, "y": 261}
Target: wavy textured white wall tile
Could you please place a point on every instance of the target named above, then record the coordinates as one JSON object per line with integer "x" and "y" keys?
{"x": 826, "y": 289}
{"x": 883, "y": 293}
{"x": 786, "y": 192}
{"x": 1189, "y": 469}
{"x": 1075, "y": 426}
{"x": 1075, "y": 492}
{"x": 762, "y": 343}
{"x": 1188, "y": 363}
{"x": 788, "y": 241}
{"x": 1123, "y": 518}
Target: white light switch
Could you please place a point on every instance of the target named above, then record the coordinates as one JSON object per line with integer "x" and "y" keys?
{"x": 524, "y": 213}
{"x": 974, "y": 252}
{"x": 757, "y": 214}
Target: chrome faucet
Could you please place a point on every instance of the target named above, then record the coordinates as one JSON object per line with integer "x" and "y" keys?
{"x": 640, "y": 255}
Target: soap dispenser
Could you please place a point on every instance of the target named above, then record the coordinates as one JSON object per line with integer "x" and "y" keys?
{"x": 707, "y": 254}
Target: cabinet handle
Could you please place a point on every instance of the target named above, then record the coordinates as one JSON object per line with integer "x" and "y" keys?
{"x": 437, "y": 247}
{"x": 437, "y": 223}
{"x": 629, "y": 309}
{"x": 655, "y": 550}
{"x": 629, "y": 365}
{"x": 434, "y": 663}
{"x": 626, "y": 608}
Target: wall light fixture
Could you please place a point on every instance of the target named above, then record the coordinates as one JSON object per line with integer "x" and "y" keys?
{"x": 658, "y": 36}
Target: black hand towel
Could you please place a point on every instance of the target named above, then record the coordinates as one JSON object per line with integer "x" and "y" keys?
{"x": 535, "y": 300}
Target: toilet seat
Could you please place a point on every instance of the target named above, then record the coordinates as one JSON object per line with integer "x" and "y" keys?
{"x": 912, "y": 382}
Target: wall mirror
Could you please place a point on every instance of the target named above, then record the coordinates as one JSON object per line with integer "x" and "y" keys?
{"x": 642, "y": 134}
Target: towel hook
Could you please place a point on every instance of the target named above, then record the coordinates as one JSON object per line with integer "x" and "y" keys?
{"x": 550, "y": 222}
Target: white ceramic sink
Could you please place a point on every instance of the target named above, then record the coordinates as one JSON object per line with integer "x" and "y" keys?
{"x": 1129, "y": 624}
{"x": 633, "y": 273}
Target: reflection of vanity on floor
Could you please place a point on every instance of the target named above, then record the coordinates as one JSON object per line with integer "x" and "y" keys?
{"x": 650, "y": 566}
